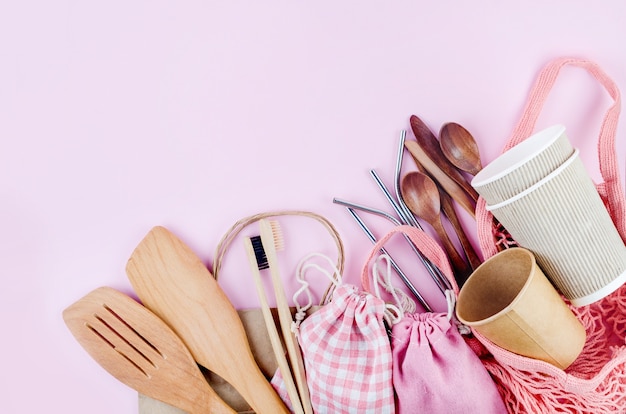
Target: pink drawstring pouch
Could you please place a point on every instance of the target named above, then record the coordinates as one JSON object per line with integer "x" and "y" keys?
{"x": 346, "y": 351}
{"x": 434, "y": 369}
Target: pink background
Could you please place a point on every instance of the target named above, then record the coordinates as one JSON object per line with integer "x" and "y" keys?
{"x": 117, "y": 116}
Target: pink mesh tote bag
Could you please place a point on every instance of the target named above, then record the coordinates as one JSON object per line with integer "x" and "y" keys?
{"x": 596, "y": 381}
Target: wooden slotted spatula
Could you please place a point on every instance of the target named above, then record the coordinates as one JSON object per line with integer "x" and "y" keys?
{"x": 141, "y": 351}
{"x": 173, "y": 282}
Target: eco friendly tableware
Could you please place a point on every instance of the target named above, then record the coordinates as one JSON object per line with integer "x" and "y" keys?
{"x": 448, "y": 184}
{"x": 523, "y": 165}
{"x": 564, "y": 222}
{"x": 422, "y": 197}
{"x": 174, "y": 283}
{"x": 351, "y": 207}
{"x": 429, "y": 143}
{"x": 140, "y": 350}
{"x": 446, "y": 206}
{"x": 460, "y": 148}
{"x": 509, "y": 300}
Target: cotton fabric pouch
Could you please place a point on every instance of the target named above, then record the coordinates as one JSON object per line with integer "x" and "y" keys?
{"x": 346, "y": 350}
{"x": 434, "y": 369}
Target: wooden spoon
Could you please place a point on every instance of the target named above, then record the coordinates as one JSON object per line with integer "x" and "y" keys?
{"x": 421, "y": 195}
{"x": 460, "y": 148}
{"x": 140, "y": 350}
{"x": 448, "y": 210}
{"x": 429, "y": 143}
{"x": 174, "y": 283}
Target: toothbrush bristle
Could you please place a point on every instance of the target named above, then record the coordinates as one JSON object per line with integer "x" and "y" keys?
{"x": 259, "y": 253}
{"x": 279, "y": 241}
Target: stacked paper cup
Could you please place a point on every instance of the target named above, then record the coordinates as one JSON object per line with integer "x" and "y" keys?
{"x": 542, "y": 194}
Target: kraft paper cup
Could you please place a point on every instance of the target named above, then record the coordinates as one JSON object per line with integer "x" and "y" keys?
{"x": 564, "y": 222}
{"x": 523, "y": 165}
{"x": 509, "y": 300}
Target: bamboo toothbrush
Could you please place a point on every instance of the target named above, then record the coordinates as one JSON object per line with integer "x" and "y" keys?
{"x": 258, "y": 262}
{"x": 272, "y": 240}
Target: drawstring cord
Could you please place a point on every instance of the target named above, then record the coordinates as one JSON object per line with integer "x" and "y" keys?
{"x": 303, "y": 266}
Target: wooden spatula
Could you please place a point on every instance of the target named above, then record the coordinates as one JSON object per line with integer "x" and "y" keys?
{"x": 140, "y": 350}
{"x": 173, "y": 282}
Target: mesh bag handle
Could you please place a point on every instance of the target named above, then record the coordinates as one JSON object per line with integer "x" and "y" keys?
{"x": 424, "y": 243}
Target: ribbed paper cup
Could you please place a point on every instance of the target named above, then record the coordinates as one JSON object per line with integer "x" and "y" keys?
{"x": 564, "y": 222}
{"x": 523, "y": 165}
{"x": 509, "y": 300}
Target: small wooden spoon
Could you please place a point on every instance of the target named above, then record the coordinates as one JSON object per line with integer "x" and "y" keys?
{"x": 140, "y": 350}
{"x": 460, "y": 148}
{"x": 421, "y": 195}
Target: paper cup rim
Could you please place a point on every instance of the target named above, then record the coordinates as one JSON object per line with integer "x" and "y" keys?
{"x": 518, "y": 296}
{"x": 538, "y": 184}
{"x": 525, "y": 148}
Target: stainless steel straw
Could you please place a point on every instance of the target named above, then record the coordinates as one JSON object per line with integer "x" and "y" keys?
{"x": 441, "y": 282}
{"x": 433, "y": 270}
{"x": 410, "y": 218}
{"x": 393, "y": 263}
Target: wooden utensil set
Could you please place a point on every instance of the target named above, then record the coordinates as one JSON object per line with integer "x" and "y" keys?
{"x": 429, "y": 193}
{"x": 185, "y": 319}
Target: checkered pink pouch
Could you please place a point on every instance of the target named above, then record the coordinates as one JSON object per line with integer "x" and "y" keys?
{"x": 346, "y": 352}
{"x": 347, "y": 355}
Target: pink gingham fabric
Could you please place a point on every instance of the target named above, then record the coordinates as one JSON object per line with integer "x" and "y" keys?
{"x": 347, "y": 355}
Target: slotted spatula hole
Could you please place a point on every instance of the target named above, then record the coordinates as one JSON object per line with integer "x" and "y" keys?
{"x": 99, "y": 335}
{"x": 120, "y": 336}
{"x": 112, "y": 312}
{"x": 133, "y": 363}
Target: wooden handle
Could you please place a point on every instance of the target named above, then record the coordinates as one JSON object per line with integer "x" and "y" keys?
{"x": 272, "y": 331}
{"x": 448, "y": 210}
{"x": 174, "y": 283}
{"x": 459, "y": 265}
{"x": 285, "y": 318}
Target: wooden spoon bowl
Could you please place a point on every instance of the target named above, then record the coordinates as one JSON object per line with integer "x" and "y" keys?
{"x": 460, "y": 148}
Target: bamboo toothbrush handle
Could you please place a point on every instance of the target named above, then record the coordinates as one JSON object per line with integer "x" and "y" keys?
{"x": 279, "y": 352}
{"x": 285, "y": 317}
